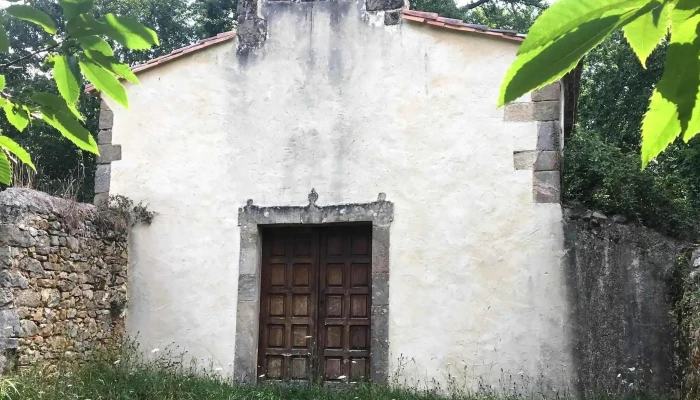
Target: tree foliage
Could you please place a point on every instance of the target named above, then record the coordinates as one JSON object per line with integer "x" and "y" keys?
{"x": 66, "y": 42}
{"x": 601, "y": 169}
{"x": 517, "y": 15}
{"x": 570, "y": 29}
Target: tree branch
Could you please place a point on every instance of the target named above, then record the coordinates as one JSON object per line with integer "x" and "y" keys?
{"x": 28, "y": 56}
{"x": 477, "y": 3}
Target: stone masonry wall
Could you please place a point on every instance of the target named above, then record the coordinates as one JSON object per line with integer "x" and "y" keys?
{"x": 62, "y": 279}
{"x": 621, "y": 279}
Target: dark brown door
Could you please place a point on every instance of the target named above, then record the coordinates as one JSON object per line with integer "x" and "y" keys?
{"x": 315, "y": 304}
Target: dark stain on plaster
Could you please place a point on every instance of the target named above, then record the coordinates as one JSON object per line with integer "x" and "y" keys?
{"x": 338, "y": 14}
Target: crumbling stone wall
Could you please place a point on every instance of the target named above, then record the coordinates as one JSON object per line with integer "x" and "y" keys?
{"x": 63, "y": 274}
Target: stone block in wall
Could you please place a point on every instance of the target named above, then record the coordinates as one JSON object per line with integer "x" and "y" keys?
{"x": 109, "y": 153}
{"x": 380, "y": 5}
{"x": 546, "y": 110}
{"x": 535, "y": 111}
{"x": 9, "y": 323}
{"x": 547, "y": 161}
{"x": 525, "y": 160}
{"x": 106, "y": 117}
{"x": 548, "y": 134}
{"x": 392, "y": 17}
{"x": 102, "y": 178}
{"x": 104, "y": 136}
{"x": 536, "y": 160}
{"x": 549, "y": 92}
{"x": 547, "y": 187}
{"x": 519, "y": 112}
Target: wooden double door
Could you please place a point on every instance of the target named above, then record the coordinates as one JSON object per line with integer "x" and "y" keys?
{"x": 315, "y": 307}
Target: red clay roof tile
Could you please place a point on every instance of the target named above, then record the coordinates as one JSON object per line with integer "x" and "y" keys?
{"x": 456, "y": 24}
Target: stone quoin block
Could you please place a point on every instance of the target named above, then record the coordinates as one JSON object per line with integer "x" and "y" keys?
{"x": 547, "y": 187}
{"x": 380, "y": 5}
{"x": 547, "y": 161}
{"x": 109, "y": 153}
{"x": 548, "y": 133}
{"x": 546, "y": 110}
{"x": 104, "y": 136}
{"x": 524, "y": 159}
{"x": 106, "y": 117}
{"x": 549, "y": 92}
{"x": 102, "y": 178}
{"x": 519, "y": 112}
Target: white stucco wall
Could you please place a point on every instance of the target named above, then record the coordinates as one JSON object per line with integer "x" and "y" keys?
{"x": 351, "y": 109}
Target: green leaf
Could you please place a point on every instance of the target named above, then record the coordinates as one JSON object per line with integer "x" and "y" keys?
{"x": 31, "y": 14}
{"x": 70, "y": 128}
{"x": 56, "y": 103}
{"x": 14, "y": 148}
{"x": 2, "y": 82}
{"x": 65, "y": 79}
{"x": 129, "y": 32}
{"x": 645, "y": 33}
{"x": 4, "y": 40}
{"x": 17, "y": 115}
{"x": 549, "y": 63}
{"x": 112, "y": 65}
{"x": 659, "y": 128}
{"x": 5, "y": 170}
{"x": 84, "y": 25}
{"x": 675, "y": 104}
{"x": 565, "y": 16}
{"x": 94, "y": 43}
{"x": 104, "y": 81}
{"x": 72, "y": 8}
{"x": 99, "y": 51}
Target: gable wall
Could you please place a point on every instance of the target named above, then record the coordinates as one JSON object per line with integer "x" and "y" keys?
{"x": 350, "y": 107}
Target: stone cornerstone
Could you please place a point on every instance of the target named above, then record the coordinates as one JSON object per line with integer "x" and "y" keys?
{"x": 63, "y": 272}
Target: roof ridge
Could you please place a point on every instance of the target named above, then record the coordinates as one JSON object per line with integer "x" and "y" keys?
{"x": 435, "y": 19}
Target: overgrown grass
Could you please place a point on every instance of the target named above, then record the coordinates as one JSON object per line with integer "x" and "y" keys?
{"x": 124, "y": 375}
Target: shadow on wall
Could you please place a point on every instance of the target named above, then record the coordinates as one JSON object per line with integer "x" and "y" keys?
{"x": 621, "y": 281}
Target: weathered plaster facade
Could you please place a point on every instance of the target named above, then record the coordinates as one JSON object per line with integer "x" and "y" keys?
{"x": 338, "y": 100}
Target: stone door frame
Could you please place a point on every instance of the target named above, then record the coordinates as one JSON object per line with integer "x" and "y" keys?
{"x": 251, "y": 217}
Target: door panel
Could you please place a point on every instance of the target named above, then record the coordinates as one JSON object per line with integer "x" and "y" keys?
{"x": 288, "y": 304}
{"x": 315, "y": 304}
{"x": 345, "y": 301}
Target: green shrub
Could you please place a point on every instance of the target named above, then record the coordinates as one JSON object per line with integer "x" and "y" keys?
{"x": 602, "y": 176}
